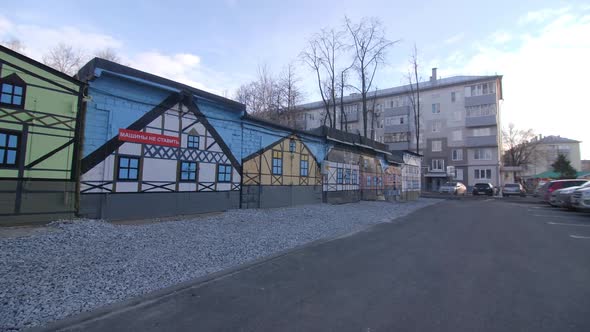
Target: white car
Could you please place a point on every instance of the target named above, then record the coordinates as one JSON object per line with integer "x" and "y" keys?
{"x": 581, "y": 199}
{"x": 455, "y": 188}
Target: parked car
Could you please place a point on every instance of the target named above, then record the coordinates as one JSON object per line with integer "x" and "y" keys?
{"x": 581, "y": 199}
{"x": 559, "y": 184}
{"x": 483, "y": 189}
{"x": 540, "y": 189}
{"x": 455, "y": 188}
{"x": 563, "y": 197}
{"x": 513, "y": 189}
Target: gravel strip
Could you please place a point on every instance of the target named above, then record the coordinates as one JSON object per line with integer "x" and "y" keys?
{"x": 89, "y": 263}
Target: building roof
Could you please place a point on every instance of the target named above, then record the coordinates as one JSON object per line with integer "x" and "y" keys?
{"x": 426, "y": 85}
{"x": 552, "y": 139}
{"x": 40, "y": 65}
{"x": 336, "y": 135}
{"x": 88, "y": 72}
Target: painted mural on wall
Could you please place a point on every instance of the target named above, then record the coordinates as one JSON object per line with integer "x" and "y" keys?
{"x": 340, "y": 176}
{"x": 287, "y": 162}
{"x": 39, "y": 130}
{"x": 170, "y": 149}
{"x": 371, "y": 181}
{"x": 392, "y": 181}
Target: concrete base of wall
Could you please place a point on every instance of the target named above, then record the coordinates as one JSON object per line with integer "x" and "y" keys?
{"x": 121, "y": 206}
{"x": 341, "y": 197}
{"x": 372, "y": 195}
{"x": 410, "y": 195}
{"x": 40, "y": 201}
{"x": 279, "y": 196}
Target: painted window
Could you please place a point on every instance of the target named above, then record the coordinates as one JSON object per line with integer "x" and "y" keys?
{"x": 339, "y": 176}
{"x": 193, "y": 142}
{"x": 304, "y": 165}
{"x": 355, "y": 177}
{"x": 347, "y": 176}
{"x": 369, "y": 180}
{"x": 128, "y": 168}
{"x": 292, "y": 145}
{"x": 188, "y": 171}
{"x": 9, "y": 149}
{"x": 277, "y": 162}
{"x": 224, "y": 173}
{"x": 12, "y": 94}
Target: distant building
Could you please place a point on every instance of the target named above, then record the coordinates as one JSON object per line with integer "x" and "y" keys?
{"x": 547, "y": 150}
{"x": 460, "y": 131}
{"x": 585, "y": 165}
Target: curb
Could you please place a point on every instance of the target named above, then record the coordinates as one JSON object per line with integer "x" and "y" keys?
{"x": 74, "y": 321}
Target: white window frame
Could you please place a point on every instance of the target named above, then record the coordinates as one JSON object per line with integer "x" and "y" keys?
{"x": 436, "y": 126}
{"x": 436, "y": 108}
{"x": 457, "y": 154}
{"x": 436, "y": 146}
{"x": 482, "y": 154}
{"x": 482, "y": 173}
{"x": 438, "y": 162}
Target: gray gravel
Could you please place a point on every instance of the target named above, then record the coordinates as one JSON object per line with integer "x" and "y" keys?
{"x": 86, "y": 264}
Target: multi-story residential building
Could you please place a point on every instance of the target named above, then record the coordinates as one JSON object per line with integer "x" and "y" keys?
{"x": 460, "y": 132}
{"x": 546, "y": 151}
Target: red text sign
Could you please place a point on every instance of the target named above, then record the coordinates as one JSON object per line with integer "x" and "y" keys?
{"x": 148, "y": 138}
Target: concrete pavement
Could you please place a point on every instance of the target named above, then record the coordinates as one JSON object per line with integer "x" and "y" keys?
{"x": 462, "y": 265}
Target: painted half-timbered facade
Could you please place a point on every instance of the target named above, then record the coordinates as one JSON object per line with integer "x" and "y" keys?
{"x": 341, "y": 175}
{"x": 40, "y": 111}
{"x": 281, "y": 174}
{"x": 170, "y": 150}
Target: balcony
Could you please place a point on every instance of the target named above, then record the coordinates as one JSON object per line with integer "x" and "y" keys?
{"x": 480, "y": 121}
{"x": 481, "y": 141}
{"x": 480, "y": 100}
{"x": 399, "y": 128}
{"x": 398, "y": 146}
{"x": 396, "y": 111}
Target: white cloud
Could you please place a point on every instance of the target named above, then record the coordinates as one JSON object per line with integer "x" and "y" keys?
{"x": 542, "y": 15}
{"x": 454, "y": 39}
{"x": 501, "y": 37}
{"x": 182, "y": 67}
{"x": 545, "y": 77}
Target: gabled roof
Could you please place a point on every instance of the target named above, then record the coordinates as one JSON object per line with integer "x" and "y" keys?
{"x": 552, "y": 139}
{"x": 89, "y": 70}
{"x": 40, "y": 65}
{"x": 403, "y": 89}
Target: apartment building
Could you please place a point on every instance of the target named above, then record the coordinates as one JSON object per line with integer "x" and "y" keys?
{"x": 546, "y": 151}
{"x": 460, "y": 131}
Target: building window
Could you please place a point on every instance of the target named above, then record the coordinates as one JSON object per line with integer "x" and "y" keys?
{"x": 128, "y": 168}
{"x": 436, "y": 126}
{"x": 355, "y": 177}
{"x": 482, "y": 154}
{"x": 401, "y": 120}
{"x": 347, "y": 176}
{"x": 369, "y": 180}
{"x": 453, "y": 97}
{"x": 482, "y": 174}
{"x": 436, "y": 108}
{"x": 224, "y": 173}
{"x": 193, "y": 142}
{"x": 188, "y": 171}
{"x": 396, "y": 137}
{"x": 457, "y": 154}
{"x": 292, "y": 145}
{"x": 304, "y": 165}
{"x": 12, "y": 92}
{"x": 436, "y": 146}
{"x": 438, "y": 164}
{"x": 339, "y": 176}
{"x": 482, "y": 132}
{"x": 9, "y": 149}
{"x": 277, "y": 162}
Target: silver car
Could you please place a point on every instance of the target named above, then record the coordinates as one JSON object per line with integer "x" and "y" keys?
{"x": 455, "y": 188}
{"x": 563, "y": 197}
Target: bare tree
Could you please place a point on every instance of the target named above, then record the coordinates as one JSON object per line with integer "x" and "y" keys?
{"x": 290, "y": 93}
{"x": 370, "y": 46}
{"x": 64, "y": 58}
{"x": 520, "y": 146}
{"x": 414, "y": 95}
{"x": 108, "y": 54}
{"x": 321, "y": 56}
{"x": 14, "y": 44}
{"x": 343, "y": 85}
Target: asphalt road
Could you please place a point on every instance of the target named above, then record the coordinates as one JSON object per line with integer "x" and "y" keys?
{"x": 461, "y": 265}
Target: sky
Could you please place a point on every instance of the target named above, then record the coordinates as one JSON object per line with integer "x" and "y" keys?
{"x": 542, "y": 48}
